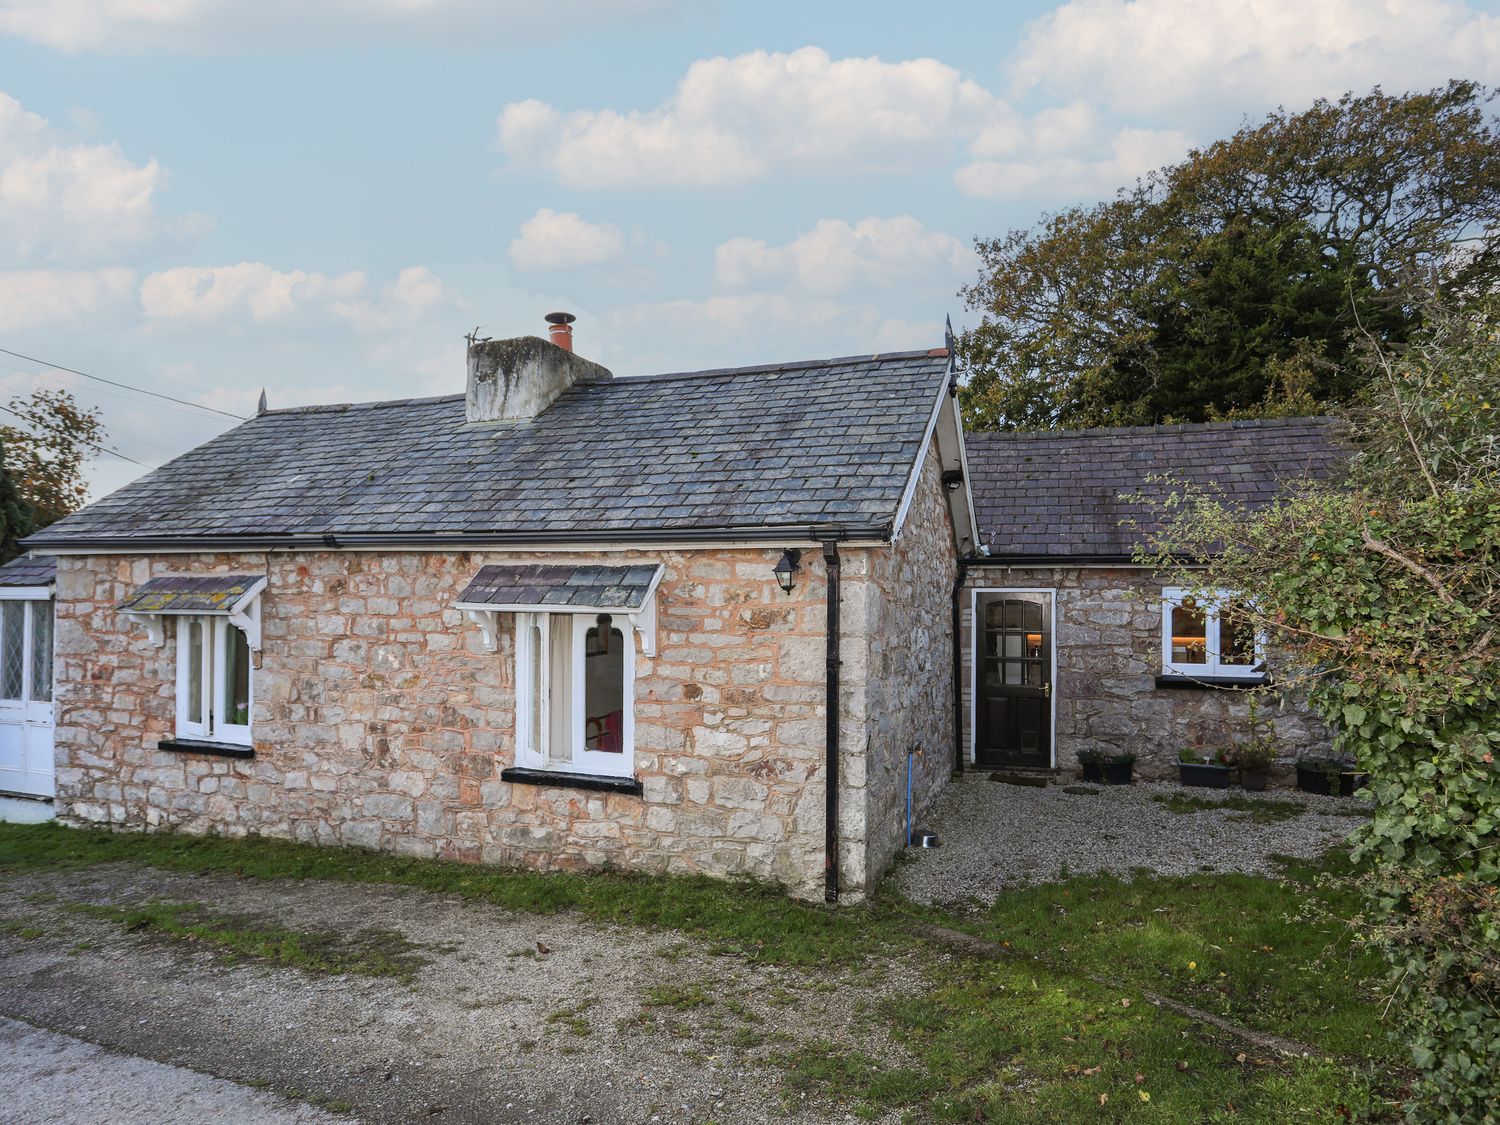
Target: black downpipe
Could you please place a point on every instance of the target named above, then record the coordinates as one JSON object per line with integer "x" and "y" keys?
{"x": 831, "y": 738}
{"x": 958, "y": 675}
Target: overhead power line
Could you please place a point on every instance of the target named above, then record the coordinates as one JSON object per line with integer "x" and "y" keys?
{"x": 92, "y": 445}
{"x": 126, "y": 386}
{"x": 85, "y": 390}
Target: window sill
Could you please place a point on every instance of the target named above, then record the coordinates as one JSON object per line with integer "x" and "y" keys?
{"x": 214, "y": 749}
{"x": 1178, "y": 680}
{"x": 517, "y": 775}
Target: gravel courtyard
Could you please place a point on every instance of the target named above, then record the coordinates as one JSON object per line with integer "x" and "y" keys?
{"x": 996, "y": 835}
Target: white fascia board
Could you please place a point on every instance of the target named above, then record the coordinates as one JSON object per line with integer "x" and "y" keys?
{"x": 910, "y": 492}
{"x": 27, "y": 593}
{"x": 956, "y": 422}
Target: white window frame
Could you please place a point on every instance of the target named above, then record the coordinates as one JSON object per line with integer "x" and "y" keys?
{"x": 215, "y": 664}
{"x": 32, "y": 597}
{"x": 532, "y": 748}
{"x": 1207, "y": 602}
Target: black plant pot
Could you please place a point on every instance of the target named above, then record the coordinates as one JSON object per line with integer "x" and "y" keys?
{"x": 1204, "y": 776}
{"x": 1313, "y": 781}
{"x": 1118, "y": 773}
{"x": 1254, "y": 780}
{"x": 1093, "y": 771}
{"x": 1318, "y": 781}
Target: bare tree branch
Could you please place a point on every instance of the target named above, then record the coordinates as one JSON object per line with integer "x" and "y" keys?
{"x": 1382, "y": 548}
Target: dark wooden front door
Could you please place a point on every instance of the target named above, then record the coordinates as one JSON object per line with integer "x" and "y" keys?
{"x": 1014, "y": 680}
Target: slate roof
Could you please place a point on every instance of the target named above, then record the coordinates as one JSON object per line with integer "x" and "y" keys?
{"x": 25, "y": 571}
{"x": 1056, "y": 493}
{"x": 186, "y": 593}
{"x": 602, "y": 587}
{"x": 827, "y": 445}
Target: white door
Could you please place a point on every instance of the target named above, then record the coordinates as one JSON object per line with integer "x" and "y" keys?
{"x": 25, "y": 694}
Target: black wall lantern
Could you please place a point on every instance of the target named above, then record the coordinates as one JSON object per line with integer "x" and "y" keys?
{"x": 786, "y": 568}
{"x": 953, "y": 479}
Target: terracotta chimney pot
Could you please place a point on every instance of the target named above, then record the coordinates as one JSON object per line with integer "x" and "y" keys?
{"x": 560, "y": 329}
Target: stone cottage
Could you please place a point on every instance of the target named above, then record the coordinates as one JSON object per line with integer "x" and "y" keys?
{"x": 1066, "y": 644}
{"x": 690, "y": 622}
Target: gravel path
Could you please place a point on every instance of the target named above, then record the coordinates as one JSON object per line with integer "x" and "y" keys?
{"x": 996, "y": 835}
{"x": 52, "y": 1079}
{"x": 512, "y": 1018}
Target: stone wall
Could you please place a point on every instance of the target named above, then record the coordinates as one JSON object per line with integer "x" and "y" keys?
{"x": 910, "y": 673}
{"x": 380, "y": 720}
{"x": 1108, "y": 657}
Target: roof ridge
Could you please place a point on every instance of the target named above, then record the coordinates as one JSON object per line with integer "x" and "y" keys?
{"x": 789, "y": 365}
{"x": 1171, "y": 427}
{"x": 726, "y": 372}
{"x": 333, "y": 407}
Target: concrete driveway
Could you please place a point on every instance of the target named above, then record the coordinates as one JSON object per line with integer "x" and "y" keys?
{"x": 52, "y": 1078}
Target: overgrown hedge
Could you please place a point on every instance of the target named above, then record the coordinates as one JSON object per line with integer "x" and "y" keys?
{"x": 1382, "y": 590}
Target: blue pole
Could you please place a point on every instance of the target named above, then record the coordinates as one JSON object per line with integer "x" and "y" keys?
{"x": 908, "y": 798}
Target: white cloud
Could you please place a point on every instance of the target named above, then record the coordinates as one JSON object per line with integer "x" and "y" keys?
{"x": 896, "y": 335}
{"x": 32, "y": 297}
{"x": 416, "y": 295}
{"x": 687, "y": 335}
{"x": 225, "y": 25}
{"x": 61, "y": 200}
{"x": 202, "y": 293}
{"x": 564, "y": 240}
{"x": 1044, "y": 171}
{"x": 1144, "y": 56}
{"x": 736, "y": 119}
{"x": 837, "y": 256}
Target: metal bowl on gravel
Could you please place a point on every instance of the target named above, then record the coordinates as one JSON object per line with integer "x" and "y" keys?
{"x": 921, "y": 838}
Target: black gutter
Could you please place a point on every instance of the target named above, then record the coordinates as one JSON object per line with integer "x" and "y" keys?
{"x": 322, "y": 540}
{"x": 831, "y": 738}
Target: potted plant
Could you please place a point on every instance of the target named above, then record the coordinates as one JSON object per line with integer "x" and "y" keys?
{"x": 1092, "y": 762}
{"x": 1204, "y": 768}
{"x": 1118, "y": 767}
{"x": 1329, "y": 775}
{"x": 1254, "y": 759}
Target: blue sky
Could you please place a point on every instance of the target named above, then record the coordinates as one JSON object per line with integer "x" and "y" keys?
{"x": 205, "y": 197}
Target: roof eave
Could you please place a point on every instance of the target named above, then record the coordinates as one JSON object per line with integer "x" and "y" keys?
{"x": 779, "y": 534}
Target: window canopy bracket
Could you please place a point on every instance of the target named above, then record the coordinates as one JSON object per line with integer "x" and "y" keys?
{"x": 643, "y": 622}
{"x": 488, "y": 621}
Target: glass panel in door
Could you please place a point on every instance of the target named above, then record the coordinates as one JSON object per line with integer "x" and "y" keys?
{"x": 41, "y": 652}
{"x": 12, "y": 649}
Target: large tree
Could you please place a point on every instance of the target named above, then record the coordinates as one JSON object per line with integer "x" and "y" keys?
{"x": 47, "y": 449}
{"x": 1193, "y": 294}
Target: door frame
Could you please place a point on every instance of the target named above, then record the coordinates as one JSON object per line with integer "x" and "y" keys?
{"x": 25, "y": 715}
{"x": 975, "y": 640}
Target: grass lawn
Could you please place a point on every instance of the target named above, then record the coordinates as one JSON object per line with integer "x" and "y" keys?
{"x": 1057, "y": 1029}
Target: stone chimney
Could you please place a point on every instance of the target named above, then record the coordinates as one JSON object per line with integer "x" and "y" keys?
{"x": 511, "y": 380}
